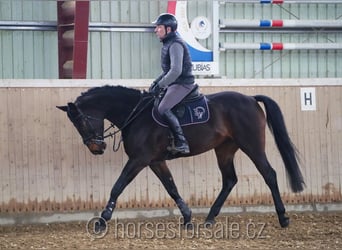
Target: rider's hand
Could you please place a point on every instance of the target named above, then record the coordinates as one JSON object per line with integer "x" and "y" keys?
{"x": 153, "y": 84}
{"x": 156, "y": 90}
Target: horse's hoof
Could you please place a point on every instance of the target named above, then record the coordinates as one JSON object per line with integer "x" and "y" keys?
{"x": 106, "y": 214}
{"x": 97, "y": 228}
{"x": 187, "y": 217}
{"x": 284, "y": 222}
{"x": 209, "y": 223}
{"x": 188, "y": 226}
{"x": 100, "y": 226}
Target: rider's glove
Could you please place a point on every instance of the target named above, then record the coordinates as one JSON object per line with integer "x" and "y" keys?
{"x": 155, "y": 89}
{"x": 153, "y": 85}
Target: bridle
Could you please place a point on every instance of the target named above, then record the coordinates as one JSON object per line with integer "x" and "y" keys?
{"x": 90, "y": 136}
{"x": 98, "y": 139}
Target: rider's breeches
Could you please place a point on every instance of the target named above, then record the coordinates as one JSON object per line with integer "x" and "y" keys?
{"x": 174, "y": 94}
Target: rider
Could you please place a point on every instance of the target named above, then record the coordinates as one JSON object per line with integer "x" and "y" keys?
{"x": 177, "y": 78}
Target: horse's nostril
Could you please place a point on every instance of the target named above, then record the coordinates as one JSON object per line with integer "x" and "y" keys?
{"x": 96, "y": 147}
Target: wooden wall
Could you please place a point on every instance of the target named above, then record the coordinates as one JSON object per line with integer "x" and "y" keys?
{"x": 45, "y": 166}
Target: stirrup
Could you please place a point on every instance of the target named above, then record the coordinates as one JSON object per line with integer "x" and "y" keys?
{"x": 183, "y": 149}
{"x": 177, "y": 150}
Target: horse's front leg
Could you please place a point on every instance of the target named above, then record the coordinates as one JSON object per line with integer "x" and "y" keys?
{"x": 129, "y": 172}
{"x": 163, "y": 173}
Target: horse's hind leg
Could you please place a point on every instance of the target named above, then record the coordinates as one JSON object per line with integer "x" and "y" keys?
{"x": 270, "y": 177}
{"x": 225, "y": 156}
{"x": 163, "y": 173}
{"x": 257, "y": 155}
{"x": 250, "y": 136}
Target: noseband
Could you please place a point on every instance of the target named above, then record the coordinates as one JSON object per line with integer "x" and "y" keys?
{"x": 90, "y": 136}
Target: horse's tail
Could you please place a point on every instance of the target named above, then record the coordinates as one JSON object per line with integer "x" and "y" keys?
{"x": 287, "y": 149}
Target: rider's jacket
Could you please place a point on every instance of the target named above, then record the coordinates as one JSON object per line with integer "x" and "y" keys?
{"x": 186, "y": 76}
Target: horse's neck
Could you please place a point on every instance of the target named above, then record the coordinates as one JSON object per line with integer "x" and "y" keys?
{"x": 119, "y": 114}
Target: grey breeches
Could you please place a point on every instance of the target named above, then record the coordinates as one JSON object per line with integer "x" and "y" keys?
{"x": 174, "y": 94}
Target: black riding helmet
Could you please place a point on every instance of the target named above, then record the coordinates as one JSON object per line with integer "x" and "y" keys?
{"x": 168, "y": 20}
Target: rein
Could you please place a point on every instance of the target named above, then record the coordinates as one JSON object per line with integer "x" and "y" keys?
{"x": 132, "y": 116}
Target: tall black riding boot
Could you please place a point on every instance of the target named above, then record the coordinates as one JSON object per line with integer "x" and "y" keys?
{"x": 181, "y": 144}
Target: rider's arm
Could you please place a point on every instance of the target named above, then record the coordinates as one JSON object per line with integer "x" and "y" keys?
{"x": 159, "y": 78}
{"x": 176, "y": 58}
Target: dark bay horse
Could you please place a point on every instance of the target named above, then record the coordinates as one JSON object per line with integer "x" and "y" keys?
{"x": 236, "y": 122}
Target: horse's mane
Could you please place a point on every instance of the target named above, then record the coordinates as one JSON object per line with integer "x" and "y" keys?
{"x": 107, "y": 90}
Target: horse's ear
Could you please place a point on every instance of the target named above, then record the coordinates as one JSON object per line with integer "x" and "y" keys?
{"x": 71, "y": 105}
{"x": 72, "y": 109}
{"x": 63, "y": 108}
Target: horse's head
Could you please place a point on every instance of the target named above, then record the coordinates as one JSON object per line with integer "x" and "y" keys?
{"x": 89, "y": 124}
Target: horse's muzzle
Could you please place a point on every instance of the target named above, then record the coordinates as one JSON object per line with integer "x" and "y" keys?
{"x": 97, "y": 147}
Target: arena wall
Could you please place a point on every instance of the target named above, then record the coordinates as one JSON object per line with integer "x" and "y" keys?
{"x": 46, "y": 168}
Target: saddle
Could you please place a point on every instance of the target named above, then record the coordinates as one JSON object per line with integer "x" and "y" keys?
{"x": 193, "y": 109}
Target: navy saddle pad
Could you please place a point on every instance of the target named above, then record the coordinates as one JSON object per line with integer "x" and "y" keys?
{"x": 188, "y": 112}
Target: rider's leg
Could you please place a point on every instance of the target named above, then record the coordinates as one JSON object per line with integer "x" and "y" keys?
{"x": 174, "y": 94}
{"x": 181, "y": 144}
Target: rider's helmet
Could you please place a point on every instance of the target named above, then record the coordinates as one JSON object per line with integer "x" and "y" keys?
{"x": 168, "y": 20}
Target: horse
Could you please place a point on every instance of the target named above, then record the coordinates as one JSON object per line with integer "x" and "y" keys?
{"x": 237, "y": 121}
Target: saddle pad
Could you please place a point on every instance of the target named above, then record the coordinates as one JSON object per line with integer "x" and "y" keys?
{"x": 188, "y": 113}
